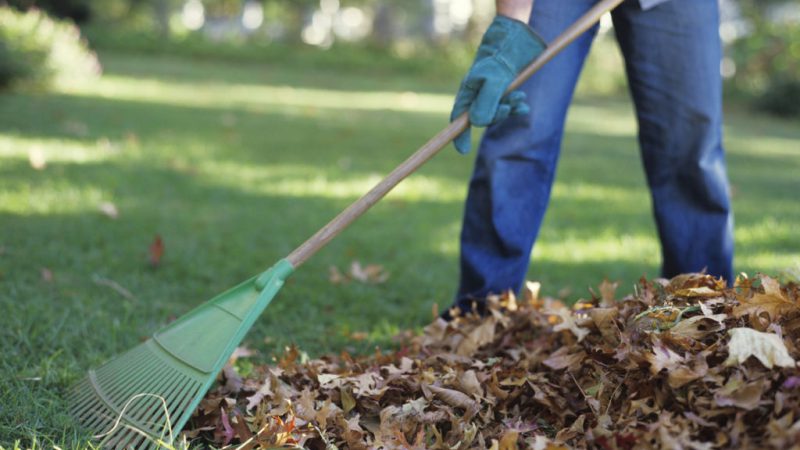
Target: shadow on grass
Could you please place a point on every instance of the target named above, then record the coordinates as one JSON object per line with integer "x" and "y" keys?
{"x": 218, "y": 232}
{"x": 199, "y": 71}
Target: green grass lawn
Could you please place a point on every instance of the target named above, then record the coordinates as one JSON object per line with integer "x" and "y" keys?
{"x": 235, "y": 165}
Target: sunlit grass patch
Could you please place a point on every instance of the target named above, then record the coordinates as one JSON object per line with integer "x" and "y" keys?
{"x": 233, "y": 166}
{"x": 258, "y": 97}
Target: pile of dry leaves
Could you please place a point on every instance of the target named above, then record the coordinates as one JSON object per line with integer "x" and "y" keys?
{"x": 682, "y": 363}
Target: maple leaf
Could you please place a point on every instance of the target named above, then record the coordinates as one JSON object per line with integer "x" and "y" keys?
{"x": 663, "y": 357}
{"x": 772, "y": 302}
{"x": 304, "y": 406}
{"x": 265, "y": 391}
{"x": 766, "y": 347}
{"x": 568, "y": 323}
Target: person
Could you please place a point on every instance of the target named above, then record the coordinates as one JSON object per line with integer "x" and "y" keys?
{"x": 672, "y": 54}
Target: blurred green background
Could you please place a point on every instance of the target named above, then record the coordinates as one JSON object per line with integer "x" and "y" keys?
{"x": 234, "y": 129}
{"x": 761, "y": 37}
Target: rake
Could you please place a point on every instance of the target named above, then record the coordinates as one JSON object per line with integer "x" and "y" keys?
{"x": 142, "y": 398}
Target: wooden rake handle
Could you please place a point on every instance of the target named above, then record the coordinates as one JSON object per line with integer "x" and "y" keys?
{"x": 438, "y": 142}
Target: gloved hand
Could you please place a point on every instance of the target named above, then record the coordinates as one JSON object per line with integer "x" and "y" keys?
{"x": 506, "y": 48}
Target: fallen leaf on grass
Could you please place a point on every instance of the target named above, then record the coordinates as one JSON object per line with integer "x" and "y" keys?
{"x": 156, "y": 251}
{"x": 369, "y": 274}
{"x": 359, "y": 336}
{"x": 37, "y": 158}
{"x": 109, "y": 210}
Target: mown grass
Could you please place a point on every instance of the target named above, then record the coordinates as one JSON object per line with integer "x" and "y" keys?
{"x": 234, "y": 165}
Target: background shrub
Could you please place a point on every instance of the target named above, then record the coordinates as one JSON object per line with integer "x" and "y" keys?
{"x": 38, "y": 51}
{"x": 768, "y": 68}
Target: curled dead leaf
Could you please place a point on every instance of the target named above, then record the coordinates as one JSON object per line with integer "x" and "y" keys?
{"x": 766, "y": 347}
{"x": 454, "y": 398}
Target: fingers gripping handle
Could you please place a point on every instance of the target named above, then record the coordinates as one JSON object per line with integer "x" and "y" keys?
{"x": 438, "y": 142}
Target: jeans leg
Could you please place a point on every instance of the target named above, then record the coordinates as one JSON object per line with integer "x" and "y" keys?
{"x": 515, "y": 165}
{"x": 672, "y": 55}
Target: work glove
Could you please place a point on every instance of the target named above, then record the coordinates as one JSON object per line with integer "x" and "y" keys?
{"x": 506, "y": 48}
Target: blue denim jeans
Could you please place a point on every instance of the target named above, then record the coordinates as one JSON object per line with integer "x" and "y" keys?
{"x": 672, "y": 54}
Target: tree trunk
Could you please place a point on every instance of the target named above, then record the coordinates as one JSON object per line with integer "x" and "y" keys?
{"x": 161, "y": 12}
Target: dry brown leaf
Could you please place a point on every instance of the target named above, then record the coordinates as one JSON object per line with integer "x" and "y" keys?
{"x": 665, "y": 384}
{"x": 454, "y": 398}
{"x": 740, "y": 394}
{"x": 531, "y": 293}
{"x": 607, "y": 292}
{"x": 772, "y": 302}
{"x": 698, "y": 327}
{"x": 561, "y": 359}
{"x": 662, "y": 357}
{"x": 697, "y": 292}
{"x": 766, "y": 347}
{"x": 509, "y": 441}
{"x": 469, "y": 384}
{"x": 684, "y": 374}
{"x": 605, "y": 321}
{"x": 481, "y": 335}
{"x": 568, "y": 323}
{"x": 348, "y": 402}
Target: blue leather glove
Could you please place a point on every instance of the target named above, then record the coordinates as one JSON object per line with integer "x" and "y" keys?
{"x": 506, "y": 48}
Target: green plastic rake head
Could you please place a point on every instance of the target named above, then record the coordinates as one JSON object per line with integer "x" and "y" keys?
{"x": 144, "y": 397}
